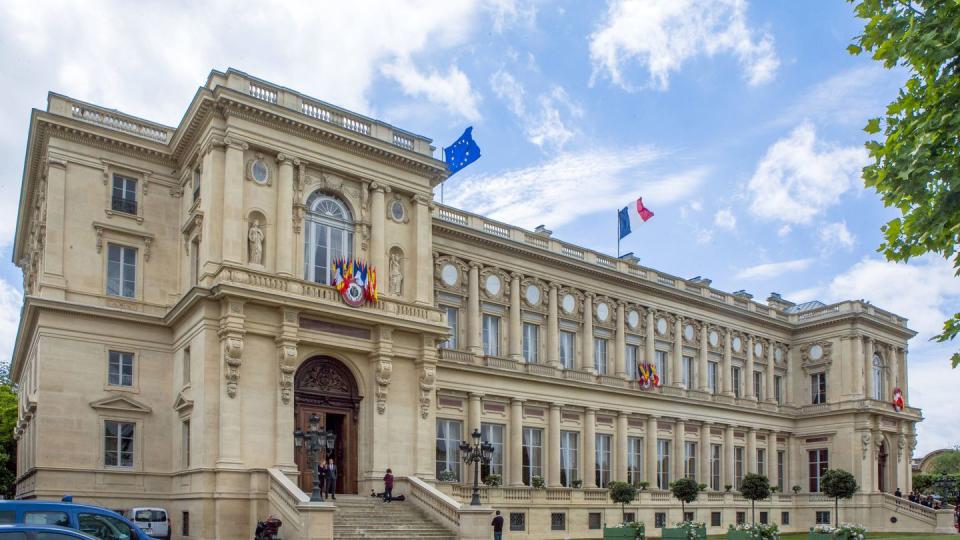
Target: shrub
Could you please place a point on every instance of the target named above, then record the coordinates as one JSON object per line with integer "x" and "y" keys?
{"x": 623, "y": 493}
{"x": 493, "y": 480}
{"x": 759, "y": 531}
{"x": 644, "y": 485}
{"x": 727, "y": 488}
{"x": 578, "y": 483}
{"x": 685, "y": 490}
{"x": 796, "y": 489}
{"x": 839, "y": 484}
{"x": 537, "y": 482}
{"x": 447, "y": 475}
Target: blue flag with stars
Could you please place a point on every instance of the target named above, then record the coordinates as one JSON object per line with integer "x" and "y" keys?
{"x": 461, "y": 153}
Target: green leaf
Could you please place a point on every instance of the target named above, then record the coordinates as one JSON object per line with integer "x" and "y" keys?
{"x": 873, "y": 126}
{"x": 854, "y": 49}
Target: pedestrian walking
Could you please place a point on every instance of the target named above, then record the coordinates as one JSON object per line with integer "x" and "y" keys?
{"x": 388, "y": 486}
{"x": 897, "y": 493}
{"x": 497, "y": 524}
{"x": 331, "y": 479}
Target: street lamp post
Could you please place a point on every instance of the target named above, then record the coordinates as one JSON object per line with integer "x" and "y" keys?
{"x": 946, "y": 485}
{"x": 476, "y": 453}
{"x": 315, "y": 439}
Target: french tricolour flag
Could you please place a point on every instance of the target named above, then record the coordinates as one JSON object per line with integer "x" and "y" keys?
{"x": 626, "y": 215}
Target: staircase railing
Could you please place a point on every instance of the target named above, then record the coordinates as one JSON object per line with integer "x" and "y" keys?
{"x": 467, "y": 522}
{"x": 906, "y": 506}
{"x": 301, "y": 518}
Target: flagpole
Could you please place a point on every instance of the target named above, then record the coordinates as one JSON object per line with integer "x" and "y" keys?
{"x": 443, "y": 151}
{"x": 618, "y": 235}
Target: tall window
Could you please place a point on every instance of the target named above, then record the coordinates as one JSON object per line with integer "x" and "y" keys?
{"x": 186, "y": 365}
{"x": 818, "y": 388}
{"x": 737, "y": 466}
{"x": 567, "y": 342}
{"x": 493, "y": 434}
{"x": 602, "y": 475}
{"x": 634, "y": 460}
{"x": 532, "y": 454}
{"x": 195, "y": 261}
{"x": 569, "y": 457}
{"x": 687, "y": 376}
{"x": 185, "y": 444}
{"x": 531, "y": 342}
{"x": 762, "y": 461}
{"x": 448, "y": 447}
{"x": 632, "y": 352}
{"x": 661, "y": 363}
{"x": 329, "y": 235}
{"x": 778, "y": 389}
{"x": 118, "y": 443}
{"x": 120, "y": 371}
{"x": 735, "y": 376}
{"x": 712, "y": 370}
{"x": 663, "y": 463}
{"x": 715, "y": 467}
{"x": 690, "y": 459}
{"x": 491, "y": 335}
{"x": 453, "y": 323}
{"x": 121, "y": 271}
{"x": 197, "y": 175}
{"x": 124, "y": 195}
{"x": 818, "y": 465}
{"x": 600, "y": 355}
{"x": 877, "y": 377}
{"x": 758, "y": 384}
{"x": 781, "y": 464}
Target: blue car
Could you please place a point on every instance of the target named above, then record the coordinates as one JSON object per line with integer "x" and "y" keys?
{"x": 41, "y": 532}
{"x": 95, "y": 521}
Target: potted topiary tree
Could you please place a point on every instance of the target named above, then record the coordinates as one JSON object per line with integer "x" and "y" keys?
{"x": 686, "y": 491}
{"x": 796, "y": 489}
{"x": 755, "y": 487}
{"x": 839, "y": 484}
{"x": 644, "y": 485}
{"x": 623, "y": 493}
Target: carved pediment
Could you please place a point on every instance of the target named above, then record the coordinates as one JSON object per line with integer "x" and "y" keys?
{"x": 121, "y": 404}
{"x": 182, "y": 405}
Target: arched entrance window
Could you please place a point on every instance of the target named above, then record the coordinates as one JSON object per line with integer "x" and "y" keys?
{"x": 326, "y": 387}
{"x": 877, "y": 377}
{"x": 329, "y": 234}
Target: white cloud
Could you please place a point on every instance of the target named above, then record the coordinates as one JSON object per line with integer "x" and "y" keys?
{"x": 784, "y": 231}
{"x": 848, "y": 98}
{"x": 800, "y": 176}
{"x": 725, "y": 219}
{"x": 545, "y": 126}
{"x": 662, "y": 36}
{"x": 507, "y": 88}
{"x": 704, "y": 237}
{"x": 834, "y": 235}
{"x": 571, "y": 185}
{"x": 933, "y": 383}
{"x": 507, "y": 13}
{"x": 452, "y": 90}
{"x": 10, "y": 302}
{"x": 772, "y": 270}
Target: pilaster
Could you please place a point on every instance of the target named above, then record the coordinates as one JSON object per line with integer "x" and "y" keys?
{"x": 586, "y": 357}
{"x": 621, "y": 454}
{"x": 516, "y": 325}
{"x": 727, "y": 368}
{"x": 553, "y": 328}
{"x": 553, "y": 448}
{"x": 677, "y": 376}
{"x": 703, "y": 467}
{"x": 590, "y": 448}
{"x": 516, "y": 442}
{"x": 679, "y": 450}
{"x": 284, "y": 225}
{"x": 650, "y": 450}
{"x": 231, "y": 335}
{"x": 620, "y": 346}
{"x": 751, "y": 392}
{"x": 473, "y": 309}
{"x": 424, "y": 250}
{"x": 234, "y": 237}
{"x": 378, "y": 251}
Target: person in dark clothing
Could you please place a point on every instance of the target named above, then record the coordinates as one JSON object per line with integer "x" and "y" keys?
{"x": 388, "y": 486}
{"x": 497, "y": 524}
{"x": 323, "y": 478}
{"x": 897, "y": 493}
{"x": 331, "y": 479}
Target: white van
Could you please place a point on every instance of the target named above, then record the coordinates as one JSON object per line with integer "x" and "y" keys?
{"x": 153, "y": 521}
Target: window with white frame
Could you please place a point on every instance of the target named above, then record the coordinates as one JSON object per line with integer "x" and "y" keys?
{"x": 600, "y": 355}
{"x": 118, "y": 443}
{"x": 661, "y": 363}
{"x": 491, "y": 335}
{"x": 493, "y": 434}
{"x": 663, "y": 463}
{"x": 121, "y": 271}
{"x": 531, "y": 343}
{"x": 631, "y": 353}
{"x": 877, "y": 375}
{"x": 120, "y": 369}
{"x": 687, "y": 376}
{"x": 818, "y": 388}
{"x": 735, "y": 381}
{"x": 761, "y": 461}
{"x": 634, "y": 460}
{"x": 569, "y": 457}
{"x": 818, "y": 464}
{"x": 712, "y": 370}
{"x": 778, "y": 389}
{"x": 758, "y": 384}
{"x": 123, "y": 195}
{"x": 453, "y": 323}
{"x": 567, "y": 343}
{"x": 738, "y": 465}
{"x": 715, "y": 458}
{"x": 448, "y": 447}
{"x": 690, "y": 459}
{"x": 328, "y": 236}
{"x": 532, "y": 454}
{"x": 602, "y": 469}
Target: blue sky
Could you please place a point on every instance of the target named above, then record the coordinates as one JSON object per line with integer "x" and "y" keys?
{"x": 740, "y": 124}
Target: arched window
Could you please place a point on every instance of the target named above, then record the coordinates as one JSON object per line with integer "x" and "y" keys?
{"x": 877, "y": 377}
{"x": 329, "y": 234}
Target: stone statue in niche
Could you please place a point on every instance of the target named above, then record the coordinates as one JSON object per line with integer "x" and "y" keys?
{"x": 396, "y": 275}
{"x": 255, "y": 237}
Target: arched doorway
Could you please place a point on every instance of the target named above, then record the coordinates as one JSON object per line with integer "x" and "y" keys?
{"x": 882, "y": 467}
{"x": 325, "y": 386}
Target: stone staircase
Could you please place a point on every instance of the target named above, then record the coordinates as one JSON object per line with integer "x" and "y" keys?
{"x": 359, "y": 517}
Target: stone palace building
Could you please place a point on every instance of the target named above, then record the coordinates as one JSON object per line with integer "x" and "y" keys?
{"x": 180, "y": 323}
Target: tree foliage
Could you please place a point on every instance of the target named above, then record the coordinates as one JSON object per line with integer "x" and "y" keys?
{"x": 623, "y": 493}
{"x": 755, "y": 487}
{"x": 947, "y": 462}
{"x": 686, "y": 491}
{"x": 839, "y": 484}
{"x": 916, "y": 165}
{"x": 8, "y": 446}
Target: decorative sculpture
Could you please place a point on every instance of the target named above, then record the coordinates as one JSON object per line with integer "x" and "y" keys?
{"x": 255, "y": 236}
{"x": 396, "y": 275}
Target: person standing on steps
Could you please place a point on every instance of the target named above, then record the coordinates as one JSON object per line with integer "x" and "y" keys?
{"x": 322, "y": 475}
{"x": 497, "y": 524}
{"x": 331, "y": 479}
{"x": 388, "y": 486}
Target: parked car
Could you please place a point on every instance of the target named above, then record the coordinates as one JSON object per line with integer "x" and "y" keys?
{"x": 41, "y": 532}
{"x": 153, "y": 521}
{"x": 98, "y": 522}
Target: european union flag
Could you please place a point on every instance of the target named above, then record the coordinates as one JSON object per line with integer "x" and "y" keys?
{"x": 461, "y": 153}
{"x": 624, "y": 218}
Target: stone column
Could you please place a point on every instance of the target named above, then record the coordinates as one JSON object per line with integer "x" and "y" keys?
{"x": 515, "y": 350}
{"x": 788, "y": 382}
{"x": 679, "y": 451}
{"x": 728, "y": 466}
{"x": 620, "y": 461}
{"x": 704, "y": 360}
{"x": 894, "y": 370}
{"x": 553, "y": 328}
{"x": 234, "y": 230}
{"x": 868, "y": 366}
{"x": 771, "y": 395}
{"x": 473, "y": 310}
{"x": 650, "y": 451}
{"x": 727, "y": 375}
{"x": 586, "y": 357}
{"x": 750, "y": 391}
{"x": 284, "y": 225}
{"x": 52, "y": 279}
{"x": 772, "y": 457}
{"x": 378, "y": 250}
{"x": 703, "y": 467}
{"x": 620, "y": 345}
{"x": 590, "y": 448}
{"x": 649, "y": 351}
{"x": 426, "y": 424}
{"x": 797, "y": 463}
{"x": 516, "y": 442}
{"x": 424, "y": 249}
{"x": 751, "y": 457}
{"x": 287, "y": 356}
{"x": 231, "y": 409}
{"x": 904, "y": 380}
{"x": 677, "y": 377}
{"x": 553, "y": 448}
{"x": 473, "y": 422}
